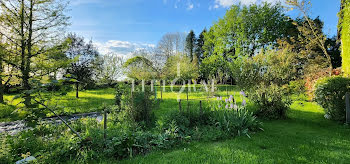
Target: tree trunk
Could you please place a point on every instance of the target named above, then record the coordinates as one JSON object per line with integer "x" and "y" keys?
{"x": 1, "y": 85}
{"x": 28, "y": 57}
{"x": 76, "y": 90}
{"x": 24, "y": 60}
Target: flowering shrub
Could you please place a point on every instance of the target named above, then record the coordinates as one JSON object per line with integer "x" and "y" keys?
{"x": 234, "y": 119}
{"x": 221, "y": 104}
{"x": 265, "y": 77}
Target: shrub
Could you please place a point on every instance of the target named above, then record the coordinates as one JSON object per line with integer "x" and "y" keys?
{"x": 233, "y": 119}
{"x": 141, "y": 106}
{"x": 221, "y": 120}
{"x": 296, "y": 87}
{"x": 6, "y": 111}
{"x": 121, "y": 89}
{"x": 136, "y": 105}
{"x": 330, "y": 94}
{"x": 264, "y": 77}
{"x": 273, "y": 101}
{"x": 311, "y": 80}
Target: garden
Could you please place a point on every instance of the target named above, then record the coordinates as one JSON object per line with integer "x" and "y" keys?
{"x": 257, "y": 87}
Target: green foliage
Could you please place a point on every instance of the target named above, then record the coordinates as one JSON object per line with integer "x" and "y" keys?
{"x": 120, "y": 89}
{"x": 297, "y": 87}
{"x": 214, "y": 66}
{"x": 245, "y": 29}
{"x": 265, "y": 76}
{"x": 141, "y": 107}
{"x": 278, "y": 67}
{"x": 137, "y": 105}
{"x": 199, "y": 51}
{"x": 330, "y": 94}
{"x": 346, "y": 38}
{"x": 140, "y": 67}
{"x": 188, "y": 69}
{"x": 273, "y": 101}
{"x": 190, "y": 45}
{"x": 85, "y": 57}
{"x": 218, "y": 121}
{"x": 6, "y": 111}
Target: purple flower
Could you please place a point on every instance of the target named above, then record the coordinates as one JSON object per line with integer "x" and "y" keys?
{"x": 227, "y": 100}
{"x": 220, "y": 98}
{"x": 242, "y": 93}
{"x": 244, "y": 103}
{"x": 231, "y": 98}
{"x": 226, "y": 106}
{"x": 231, "y": 106}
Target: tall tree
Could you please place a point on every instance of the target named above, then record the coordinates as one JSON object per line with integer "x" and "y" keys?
{"x": 111, "y": 68}
{"x": 190, "y": 44}
{"x": 31, "y": 26}
{"x": 245, "y": 30}
{"x": 2, "y": 54}
{"x": 86, "y": 58}
{"x": 333, "y": 48}
{"x": 199, "y": 51}
{"x": 180, "y": 66}
{"x": 171, "y": 44}
{"x": 145, "y": 65}
{"x": 310, "y": 30}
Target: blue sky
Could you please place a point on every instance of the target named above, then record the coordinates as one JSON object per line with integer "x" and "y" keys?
{"x": 125, "y": 25}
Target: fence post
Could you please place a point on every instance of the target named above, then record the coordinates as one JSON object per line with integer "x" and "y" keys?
{"x": 180, "y": 106}
{"x": 188, "y": 105}
{"x": 347, "y": 102}
{"x": 105, "y": 124}
{"x": 200, "y": 108}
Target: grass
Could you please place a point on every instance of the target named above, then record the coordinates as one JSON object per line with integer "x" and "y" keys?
{"x": 304, "y": 137}
{"x": 88, "y": 101}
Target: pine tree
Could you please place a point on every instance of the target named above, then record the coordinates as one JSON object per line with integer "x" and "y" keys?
{"x": 190, "y": 44}
{"x": 199, "y": 52}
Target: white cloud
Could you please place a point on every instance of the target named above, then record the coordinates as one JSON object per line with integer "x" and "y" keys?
{"x": 190, "y": 6}
{"x": 121, "y": 48}
{"x": 228, "y": 3}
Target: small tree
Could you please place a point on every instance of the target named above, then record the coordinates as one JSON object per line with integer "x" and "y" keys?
{"x": 85, "y": 56}
{"x": 180, "y": 66}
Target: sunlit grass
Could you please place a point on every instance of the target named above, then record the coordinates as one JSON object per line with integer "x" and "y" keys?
{"x": 304, "y": 137}
{"x": 88, "y": 101}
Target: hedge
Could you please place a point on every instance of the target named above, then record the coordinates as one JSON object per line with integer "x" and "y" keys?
{"x": 346, "y": 38}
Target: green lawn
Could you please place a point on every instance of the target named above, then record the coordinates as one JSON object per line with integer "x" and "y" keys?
{"x": 89, "y": 101}
{"x": 304, "y": 137}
